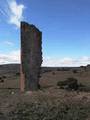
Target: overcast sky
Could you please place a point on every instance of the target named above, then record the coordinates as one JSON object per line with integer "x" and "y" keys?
{"x": 65, "y": 25}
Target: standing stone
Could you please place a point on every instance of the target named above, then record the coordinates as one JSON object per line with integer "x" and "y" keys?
{"x": 31, "y": 56}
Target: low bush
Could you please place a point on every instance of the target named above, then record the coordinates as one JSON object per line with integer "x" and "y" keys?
{"x": 53, "y": 73}
{"x": 75, "y": 71}
{"x": 4, "y": 77}
{"x": 18, "y": 74}
{"x": 70, "y": 84}
{"x": 1, "y": 80}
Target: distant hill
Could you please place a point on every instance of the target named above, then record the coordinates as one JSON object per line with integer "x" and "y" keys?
{"x": 15, "y": 68}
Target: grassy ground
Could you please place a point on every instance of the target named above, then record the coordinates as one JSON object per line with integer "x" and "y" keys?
{"x": 49, "y": 103}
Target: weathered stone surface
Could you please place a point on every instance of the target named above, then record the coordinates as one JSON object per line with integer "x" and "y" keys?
{"x": 31, "y": 56}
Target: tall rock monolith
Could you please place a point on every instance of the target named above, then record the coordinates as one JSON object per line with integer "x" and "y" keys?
{"x": 31, "y": 57}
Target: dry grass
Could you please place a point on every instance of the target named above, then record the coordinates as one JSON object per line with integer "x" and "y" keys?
{"x": 49, "y": 103}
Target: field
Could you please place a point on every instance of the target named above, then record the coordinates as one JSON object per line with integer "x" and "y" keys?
{"x": 48, "y": 103}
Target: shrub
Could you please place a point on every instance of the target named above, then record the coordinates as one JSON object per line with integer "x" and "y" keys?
{"x": 53, "y": 73}
{"x": 4, "y": 76}
{"x": 84, "y": 88}
{"x": 58, "y": 69}
{"x": 18, "y": 73}
{"x": 1, "y": 80}
{"x": 75, "y": 71}
{"x": 70, "y": 84}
